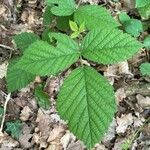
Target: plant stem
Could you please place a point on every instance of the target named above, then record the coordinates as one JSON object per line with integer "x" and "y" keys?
{"x": 5, "y": 107}
{"x": 6, "y": 47}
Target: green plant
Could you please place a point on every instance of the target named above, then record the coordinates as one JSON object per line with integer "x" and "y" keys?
{"x": 14, "y": 128}
{"x": 86, "y": 100}
{"x": 131, "y": 26}
{"x": 145, "y": 69}
{"x": 143, "y": 7}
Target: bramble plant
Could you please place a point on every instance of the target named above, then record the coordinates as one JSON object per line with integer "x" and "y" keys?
{"x": 86, "y": 99}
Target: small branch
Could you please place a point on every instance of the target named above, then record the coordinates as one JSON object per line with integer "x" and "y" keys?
{"x": 6, "y": 47}
{"x": 79, "y": 2}
{"x": 3, "y": 119}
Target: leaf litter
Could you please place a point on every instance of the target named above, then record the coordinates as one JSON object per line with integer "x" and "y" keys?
{"x": 45, "y": 129}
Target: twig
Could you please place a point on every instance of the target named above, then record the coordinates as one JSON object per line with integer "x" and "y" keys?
{"x": 79, "y": 2}
{"x": 5, "y": 107}
{"x": 6, "y": 47}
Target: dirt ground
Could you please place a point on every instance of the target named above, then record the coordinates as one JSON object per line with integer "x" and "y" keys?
{"x": 43, "y": 129}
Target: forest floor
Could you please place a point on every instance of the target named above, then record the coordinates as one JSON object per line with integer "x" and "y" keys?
{"x": 43, "y": 129}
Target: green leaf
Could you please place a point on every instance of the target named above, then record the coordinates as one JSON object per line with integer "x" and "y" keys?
{"x": 44, "y": 59}
{"x": 45, "y": 35}
{"x": 142, "y": 3}
{"x": 123, "y": 17}
{"x": 73, "y": 26}
{"x": 133, "y": 27}
{"x": 82, "y": 27}
{"x": 42, "y": 97}
{"x": 62, "y": 7}
{"x": 47, "y": 16}
{"x": 145, "y": 69}
{"x": 17, "y": 78}
{"x": 108, "y": 46}
{"x": 24, "y": 40}
{"x": 86, "y": 100}
{"x": 63, "y": 23}
{"x": 94, "y": 17}
{"x": 145, "y": 11}
{"x": 14, "y": 128}
{"x": 147, "y": 42}
{"x": 75, "y": 34}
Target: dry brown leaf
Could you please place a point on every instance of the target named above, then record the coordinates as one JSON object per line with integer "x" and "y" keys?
{"x": 54, "y": 147}
{"x": 25, "y": 113}
{"x": 144, "y": 102}
{"x": 123, "y": 68}
{"x": 56, "y": 133}
{"x": 52, "y": 85}
{"x": 3, "y": 70}
{"x": 111, "y": 73}
{"x": 67, "y": 138}
{"x": 101, "y": 147}
{"x": 120, "y": 95}
{"x": 124, "y": 122}
{"x": 76, "y": 146}
{"x": 44, "y": 122}
{"x": 25, "y": 137}
{"x": 6, "y": 142}
{"x": 118, "y": 144}
{"x": 111, "y": 132}
{"x": 31, "y": 18}
{"x": 2, "y": 10}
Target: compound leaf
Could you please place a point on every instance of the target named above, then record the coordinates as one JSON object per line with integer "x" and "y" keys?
{"x": 24, "y": 40}
{"x": 62, "y": 7}
{"x": 14, "y": 128}
{"x": 42, "y": 58}
{"x": 94, "y": 17}
{"x": 86, "y": 100}
{"x": 109, "y": 46}
{"x": 42, "y": 97}
{"x": 17, "y": 78}
{"x": 145, "y": 69}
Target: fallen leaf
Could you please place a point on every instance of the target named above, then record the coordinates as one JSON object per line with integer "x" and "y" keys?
{"x": 120, "y": 95}
{"x": 66, "y": 139}
{"x": 144, "y": 102}
{"x": 54, "y": 147}
{"x": 3, "y": 70}
{"x": 26, "y": 136}
{"x": 124, "y": 122}
{"x": 76, "y": 146}
{"x": 111, "y": 73}
{"x": 44, "y": 123}
{"x": 2, "y": 10}
{"x": 25, "y": 113}
{"x": 111, "y": 132}
{"x": 6, "y": 142}
{"x": 101, "y": 147}
{"x": 124, "y": 68}
{"x": 56, "y": 133}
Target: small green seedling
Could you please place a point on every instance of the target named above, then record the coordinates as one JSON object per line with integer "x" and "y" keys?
{"x": 86, "y": 100}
